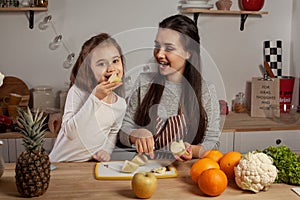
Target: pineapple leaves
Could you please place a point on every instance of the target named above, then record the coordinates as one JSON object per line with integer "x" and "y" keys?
{"x": 32, "y": 128}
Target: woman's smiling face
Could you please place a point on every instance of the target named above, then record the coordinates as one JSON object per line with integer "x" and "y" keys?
{"x": 170, "y": 54}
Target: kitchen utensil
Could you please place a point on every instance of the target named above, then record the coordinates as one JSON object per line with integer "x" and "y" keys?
{"x": 269, "y": 70}
{"x": 12, "y": 99}
{"x": 13, "y": 84}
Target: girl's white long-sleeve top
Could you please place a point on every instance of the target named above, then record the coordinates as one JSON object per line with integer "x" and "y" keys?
{"x": 88, "y": 125}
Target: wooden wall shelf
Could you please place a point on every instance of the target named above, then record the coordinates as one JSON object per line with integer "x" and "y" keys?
{"x": 31, "y": 11}
{"x": 244, "y": 14}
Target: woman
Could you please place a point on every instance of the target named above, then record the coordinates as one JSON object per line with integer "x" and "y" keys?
{"x": 175, "y": 103}
{"x": 93, "y": 112}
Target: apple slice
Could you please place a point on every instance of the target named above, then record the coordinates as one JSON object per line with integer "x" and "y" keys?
{"x": 178, "y": 148}
{"x": 129, "y": 167}
{"x": 114, "y": 78}
{"x": 140, "y": 159}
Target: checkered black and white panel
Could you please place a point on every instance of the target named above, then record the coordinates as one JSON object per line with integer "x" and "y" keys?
{"x": 273, "y": 55}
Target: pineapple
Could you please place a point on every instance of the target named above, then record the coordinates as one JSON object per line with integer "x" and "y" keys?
{"x": 33, "y": 164}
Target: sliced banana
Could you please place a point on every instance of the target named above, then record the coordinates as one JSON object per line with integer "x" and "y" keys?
{"x": 140, "y": 159}
{"x": 129, "y": 167}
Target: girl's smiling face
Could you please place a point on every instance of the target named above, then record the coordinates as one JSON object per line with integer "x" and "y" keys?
{"x": 170, "y": 54}
{"x": 106, "y": 60}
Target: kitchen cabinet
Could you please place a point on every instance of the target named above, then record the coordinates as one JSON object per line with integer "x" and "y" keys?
{"x": 250, "y": 141}
{"x": 31, "y": 11}
{"x": 12, "y": 145}
{"x": 226, "y": 142}
{"x": 243, "y": 14}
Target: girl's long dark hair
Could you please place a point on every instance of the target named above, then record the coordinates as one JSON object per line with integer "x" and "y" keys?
{"x": 193, "y": 109}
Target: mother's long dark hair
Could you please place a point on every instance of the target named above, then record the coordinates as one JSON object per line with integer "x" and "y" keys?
{"x": 192, "y": 85}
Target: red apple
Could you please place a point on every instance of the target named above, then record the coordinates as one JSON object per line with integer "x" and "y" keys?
{"x": 144, "y": 184}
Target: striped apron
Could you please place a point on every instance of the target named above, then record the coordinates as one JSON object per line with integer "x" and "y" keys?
{"x": 167, "y": 131}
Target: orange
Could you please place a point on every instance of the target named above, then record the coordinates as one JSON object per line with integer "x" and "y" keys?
{"x": 229, "y": 161}
{"x": 200, "y": 165}
{"x": 213, "y": 154}
{"x": 212, "y": 182}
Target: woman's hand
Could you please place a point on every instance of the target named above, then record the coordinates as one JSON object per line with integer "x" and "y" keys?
{"x": 143, "y": 140}
{"x": 105, "y": 88}
{"x": 185, "y": 157}
{"x": 102, "y": 156}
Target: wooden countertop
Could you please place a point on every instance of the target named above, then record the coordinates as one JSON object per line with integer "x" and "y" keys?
{"x": 237, "y": 122}
{"x": 77, "y": 181}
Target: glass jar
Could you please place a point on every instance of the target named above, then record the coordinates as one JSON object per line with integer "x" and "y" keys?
{"x": 43, "y": 98}
{"x": 240, "y": 103}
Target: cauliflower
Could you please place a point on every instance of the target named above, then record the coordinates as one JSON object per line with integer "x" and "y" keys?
{"x": 255, "y": 172}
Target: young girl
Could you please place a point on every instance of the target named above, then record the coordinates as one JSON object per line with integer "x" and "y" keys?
{"x": 93, "y": 111}
{"x": 175, "y": 103}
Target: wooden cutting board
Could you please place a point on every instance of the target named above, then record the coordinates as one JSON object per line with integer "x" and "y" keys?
{"x": 13, "y": 84}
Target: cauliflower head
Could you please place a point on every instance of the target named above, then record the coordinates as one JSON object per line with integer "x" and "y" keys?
{"x": 255, "y": 172}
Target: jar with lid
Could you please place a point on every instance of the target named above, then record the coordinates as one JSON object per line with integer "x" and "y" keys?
{"x": 43, "y": 98}
{"x": 41, "y": 3}
{"x": 240, "y": 103}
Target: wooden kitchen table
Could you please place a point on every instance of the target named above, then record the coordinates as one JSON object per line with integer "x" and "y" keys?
{"x": 77, "y": 181}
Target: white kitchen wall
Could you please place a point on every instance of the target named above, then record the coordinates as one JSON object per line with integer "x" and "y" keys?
{"x": 238, "y": 54}
{"x": 295, "y": 50}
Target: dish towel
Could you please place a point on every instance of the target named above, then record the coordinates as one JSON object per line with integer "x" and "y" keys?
{"x": 273, "y": 55}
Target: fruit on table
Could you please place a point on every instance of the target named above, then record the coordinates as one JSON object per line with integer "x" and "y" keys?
{"x": 140, "y": 159}
{"x": 200, "y": 166}
{"x": 213, "y": 154}
{"x": 114, "y": 78}
{"x": 129, "y": 166}
{"x": 144, "y": 184}
{"x": 255, "y": 172}
{"x": 178, "y": 148}
{"x": 212, "y": 182}
{"x": 33, "y": 165}
{"x": 229, "y": 161}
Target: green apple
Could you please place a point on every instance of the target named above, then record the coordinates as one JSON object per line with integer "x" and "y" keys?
{"x": 114, "y": 78}
{"x": 178, "y": 148}
{"x": 140, "y": 159}
{"x": 129, "y": 167}
{"x": 144, "y": 184}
